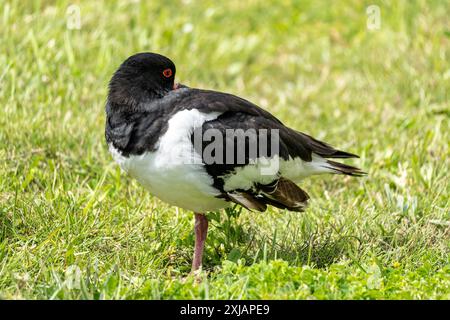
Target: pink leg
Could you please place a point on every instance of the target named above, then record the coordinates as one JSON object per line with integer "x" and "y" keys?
{"x": 201, "y": 229}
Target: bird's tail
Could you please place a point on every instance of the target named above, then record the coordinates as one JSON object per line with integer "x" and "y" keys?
{"x": 341, "y": 168}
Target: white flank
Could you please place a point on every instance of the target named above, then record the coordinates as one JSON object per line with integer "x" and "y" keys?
{"x": 170, "y": 173}
{"x": 294, "y": 169}
{"x": 244, "y": 178}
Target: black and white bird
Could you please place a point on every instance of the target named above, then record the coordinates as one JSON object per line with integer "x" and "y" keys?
{"x": 151, "y": 122}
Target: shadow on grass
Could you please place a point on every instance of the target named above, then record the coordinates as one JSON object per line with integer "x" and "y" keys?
{"x": 232, "y": 240}
{"x": 319, "y": 250}
{"x": 229, "y": 238}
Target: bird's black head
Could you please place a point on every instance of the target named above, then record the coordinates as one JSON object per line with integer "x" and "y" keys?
{"x": 140, "y": 78}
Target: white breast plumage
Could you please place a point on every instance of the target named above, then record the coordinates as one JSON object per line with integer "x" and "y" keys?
{"x": 170, "y": 173}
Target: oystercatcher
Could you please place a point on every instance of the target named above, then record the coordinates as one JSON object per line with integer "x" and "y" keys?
{"x": 152, "y": 128}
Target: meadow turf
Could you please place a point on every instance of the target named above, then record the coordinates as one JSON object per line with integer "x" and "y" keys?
{"x": 73, "y": 226}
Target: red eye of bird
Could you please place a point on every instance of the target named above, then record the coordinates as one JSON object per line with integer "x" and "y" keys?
{"x": 167, "y": 73}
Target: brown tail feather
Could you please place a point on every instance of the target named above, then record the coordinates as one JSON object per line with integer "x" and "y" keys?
{"x": 285, "y": 194}
{"x": 282, "y": 193}
{"x": 247, "y": 200}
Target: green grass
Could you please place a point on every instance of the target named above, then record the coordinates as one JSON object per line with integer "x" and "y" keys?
{"x": 72, "y": 226}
